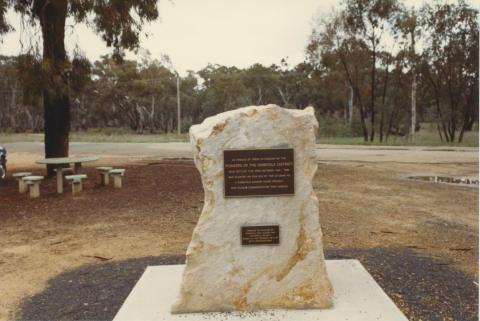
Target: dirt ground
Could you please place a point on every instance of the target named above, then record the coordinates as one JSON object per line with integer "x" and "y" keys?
{"x": 362, "y": 205}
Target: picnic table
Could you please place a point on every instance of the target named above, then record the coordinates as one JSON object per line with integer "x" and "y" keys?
{"x": 63, "y": 163}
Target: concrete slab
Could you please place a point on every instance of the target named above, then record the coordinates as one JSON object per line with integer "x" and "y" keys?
{"x": 357, "y": 297}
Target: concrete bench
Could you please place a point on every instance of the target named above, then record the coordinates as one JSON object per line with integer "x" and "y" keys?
{"x": 104, "y": 174}
{"x": 76, "y": 182}
{"x": 22, "y": 187}
{"x": 61, "y": 171}
{"x": 33, "y": 183}
{"x": 117, "y": 175}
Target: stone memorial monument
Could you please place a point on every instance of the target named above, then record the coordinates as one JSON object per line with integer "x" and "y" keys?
{"x": 258, "y": 242}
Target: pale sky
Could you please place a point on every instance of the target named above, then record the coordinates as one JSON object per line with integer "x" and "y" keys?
{"x": 194, "y": 33}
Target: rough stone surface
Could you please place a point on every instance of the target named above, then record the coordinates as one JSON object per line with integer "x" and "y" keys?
{"x": 220, "y": 274}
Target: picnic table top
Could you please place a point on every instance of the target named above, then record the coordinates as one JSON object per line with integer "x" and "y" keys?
{"x": 33, "y": 178}
{"x": 67, "y": 160}
{"x": 76, "y": 177}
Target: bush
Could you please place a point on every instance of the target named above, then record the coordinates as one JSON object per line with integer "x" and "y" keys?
{"x": 334, "y": 127}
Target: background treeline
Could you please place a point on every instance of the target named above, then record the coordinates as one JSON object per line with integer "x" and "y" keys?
{"x": 373, "y": 69}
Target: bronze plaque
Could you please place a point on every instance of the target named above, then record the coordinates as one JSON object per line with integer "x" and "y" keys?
{"x": 258, "y": 172}
{"x": 261, "y": 235}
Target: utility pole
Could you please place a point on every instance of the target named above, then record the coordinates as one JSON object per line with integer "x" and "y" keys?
{"x": 179, "y": 118}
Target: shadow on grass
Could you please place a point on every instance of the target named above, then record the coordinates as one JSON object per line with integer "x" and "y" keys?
{"x": 423, "y": 288}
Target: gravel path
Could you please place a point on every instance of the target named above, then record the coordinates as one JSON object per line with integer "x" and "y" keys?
{"x": 423, "y": 288}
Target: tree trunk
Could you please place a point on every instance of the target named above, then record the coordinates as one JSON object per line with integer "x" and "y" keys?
{"x": 384, "y": 95}
{"x": 436, "y": 92}
{"x": 413, "y": 120}
{"x": 439, "y": 131}
{"x": 14, "y": 112}
{"x": 465, "y": 124}
{"x": 56, "y": 103}
{"x": 372, "y": 91}
{"x": 57, "y": 126}
{"x": 152, "y": 114}
{"x": 362, "y": 116}
{"x": 390, "y": 122}
{"x": 285, "y": 97}
{"x": 350, "y": 104}
{"x": 462, "y": 132}
{"x": 356, "y": 91}
{"x": 260, "y": 95}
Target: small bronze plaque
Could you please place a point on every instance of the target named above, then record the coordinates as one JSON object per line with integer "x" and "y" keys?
{"x": 261, "y": 235}
{"x": 258, "y": 172}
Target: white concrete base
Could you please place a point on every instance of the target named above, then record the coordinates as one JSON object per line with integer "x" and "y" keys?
{"x": 356, "y": 297}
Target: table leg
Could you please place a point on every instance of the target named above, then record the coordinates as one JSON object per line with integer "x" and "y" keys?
{"x": 76, "y": 167}
{"x": 59, "y": 180}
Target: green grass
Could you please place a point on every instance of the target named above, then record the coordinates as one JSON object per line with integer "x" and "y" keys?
{"x": 423, "y": 138}
{"x": 128, "y": 138}
{"x": 24, "y": 137}
{"x": 97, "y": 136}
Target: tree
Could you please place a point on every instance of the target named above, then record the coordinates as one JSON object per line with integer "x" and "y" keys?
{"x": 223, "y": 89}
{"x": 118, "y": 22}
{"x": 353, "y": 40}
{"x": 450, "y": 65}
{"x": 397, "y": 108}
{"x": 20, "y": 109}
{"x": 407, "y": 25}
{"x": 333, "y": 48}
{"x": 368, "y": 20}
{"x": 261, "y": 82}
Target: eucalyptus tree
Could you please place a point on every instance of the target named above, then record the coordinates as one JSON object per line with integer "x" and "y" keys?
{"x": 397, "y": 109}
{"x": 408, "y": 29}
{"x": 118, "y": 22}
{"x": 450, "y": 65}
{"x": 115, "y": 83}
{"x": 9, "y": 94}
{"x": 333, "y": 49}
{"x": 369, "y": 21}
{"x": 222, "y": 89}
{"x": 262, "y": 84}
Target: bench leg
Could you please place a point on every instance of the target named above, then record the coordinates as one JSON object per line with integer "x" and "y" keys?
{"x": 35, "y": 190}
{"x": 76, "y": 188}
{"x": 104, "y": 179}
{"x": 22, "y": 186}
{"x": 59, "y": 180}
{"x": 117, "y": 181}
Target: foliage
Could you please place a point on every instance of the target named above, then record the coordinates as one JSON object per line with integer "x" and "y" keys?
{"x": 118, "y": 22}
{"x": 361, "y": 63}
{"x": 371, "y": 46}
{"x": 450, "y": 65}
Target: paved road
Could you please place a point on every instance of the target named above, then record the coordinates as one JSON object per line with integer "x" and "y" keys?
{"x": 326, "y": 153}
